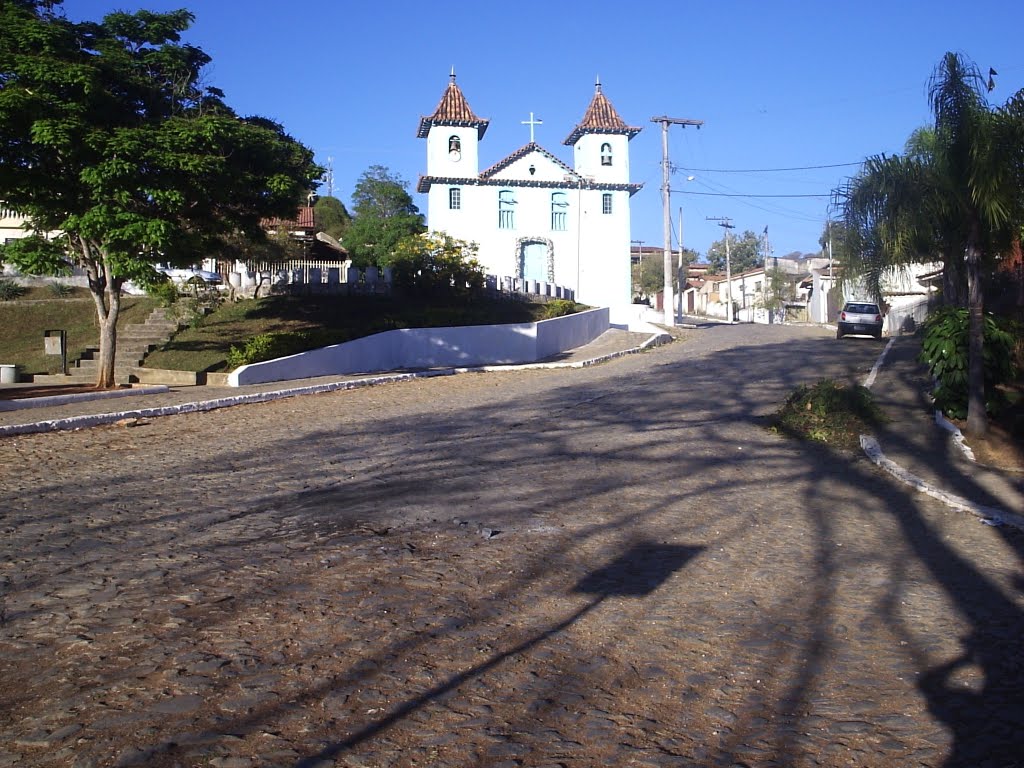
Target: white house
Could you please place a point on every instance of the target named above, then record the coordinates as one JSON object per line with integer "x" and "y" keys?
{"x": 12, "y": 225}
{"x": 532, "y": 215}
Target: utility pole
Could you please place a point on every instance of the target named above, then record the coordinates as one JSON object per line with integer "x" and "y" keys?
{"x": 667, "y": 302}
{"x": 726, "y": 223}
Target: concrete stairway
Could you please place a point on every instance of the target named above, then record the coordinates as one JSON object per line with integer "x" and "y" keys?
{"x": 133, "y": 342}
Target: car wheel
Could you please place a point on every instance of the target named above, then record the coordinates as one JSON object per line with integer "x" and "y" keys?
{"x": 839, "y": 333}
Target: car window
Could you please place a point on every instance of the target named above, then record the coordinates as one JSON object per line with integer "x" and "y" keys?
{"x": 862, "y": 309}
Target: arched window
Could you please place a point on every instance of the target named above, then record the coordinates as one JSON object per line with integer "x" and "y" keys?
{"x": 454, "y": 144}
{"x": 606, "y": 154}
{"x": 506, "y": 209}
{"x": 606, "y": 202}
{"x": 559, "y": 204}
{"x": 454, "y": 198}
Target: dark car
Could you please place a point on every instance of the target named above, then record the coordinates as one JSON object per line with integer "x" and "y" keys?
{"x": 861, "y": 318}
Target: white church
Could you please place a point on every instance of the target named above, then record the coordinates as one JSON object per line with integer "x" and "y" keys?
{"x": 531, "y": 215}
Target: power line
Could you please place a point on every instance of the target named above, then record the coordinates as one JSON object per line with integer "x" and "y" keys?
{"x": 729, "y": 194}
{"x": 770, "y": 170}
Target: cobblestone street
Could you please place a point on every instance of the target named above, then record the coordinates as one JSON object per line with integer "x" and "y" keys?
{"x": 610, "y": 566}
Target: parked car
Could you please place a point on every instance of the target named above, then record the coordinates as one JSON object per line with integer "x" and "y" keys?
{"x": 860, "y": 318}
{"x": 188, "y": 274}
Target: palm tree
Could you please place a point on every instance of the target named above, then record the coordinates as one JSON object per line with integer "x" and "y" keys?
{"x": 954, "y": 196}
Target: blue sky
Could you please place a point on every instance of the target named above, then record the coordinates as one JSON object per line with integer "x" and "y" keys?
{"x": 780, "y": 84}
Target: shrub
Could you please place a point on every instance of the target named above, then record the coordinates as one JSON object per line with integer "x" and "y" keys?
{"x": 830, "y": 413}
{"x": 269, "y": 346}
{"x": 944, "y": 349}
{"x": 437, "y": 266}
{"x": 164, "y": 291}
{"x": 560, "y": 308}
{"x": 61, "y": 290}
{"x": 10, "y": 290}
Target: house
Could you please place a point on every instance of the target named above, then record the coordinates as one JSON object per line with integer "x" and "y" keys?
{"x": 316, "y": 245}
{"x": 315, "y": 249}
{"x": 532, "y": 215}
{"x": 12, "y": 225}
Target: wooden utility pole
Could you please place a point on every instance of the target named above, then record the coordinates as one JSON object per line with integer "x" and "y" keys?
{"x": 726, "y": 223}
{"x": 667, "y": 302}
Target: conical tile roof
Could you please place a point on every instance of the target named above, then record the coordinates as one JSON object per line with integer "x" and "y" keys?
{"x": 600, "y": 117}
{"x": 453, "y": 109}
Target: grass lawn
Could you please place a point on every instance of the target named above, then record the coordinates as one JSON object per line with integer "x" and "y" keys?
{"x": 24, "y": 321}
{"x": 331, "y": 319}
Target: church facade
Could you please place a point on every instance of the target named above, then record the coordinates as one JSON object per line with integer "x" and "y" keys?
{"x": 532, "y": 215}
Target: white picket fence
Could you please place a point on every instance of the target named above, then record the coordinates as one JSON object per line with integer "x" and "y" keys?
{"x": 343, "y": 279}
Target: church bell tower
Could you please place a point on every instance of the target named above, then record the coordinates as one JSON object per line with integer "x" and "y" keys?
{"x": 453, "y": 135}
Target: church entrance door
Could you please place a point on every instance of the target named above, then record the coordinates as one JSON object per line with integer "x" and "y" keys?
{"x": 534, "y": 260}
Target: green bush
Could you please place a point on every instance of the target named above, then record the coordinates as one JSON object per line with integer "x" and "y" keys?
{"x": 10, "y": 290}
{"x": 944, "y": 349}
{"x": 830, "y": 413}
{"x": 560, "y": 308}
{"x": 61, "y": 290}
{"x": 164, "y": 291}
{"x": 436, "y": 266}
{"x": 270, "y": 346}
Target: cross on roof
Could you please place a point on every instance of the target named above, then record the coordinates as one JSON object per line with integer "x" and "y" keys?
{"x": 531, "y": 122}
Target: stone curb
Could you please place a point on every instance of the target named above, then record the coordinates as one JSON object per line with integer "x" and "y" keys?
{"x": 43, "y": 402}
{"x": 991, "y": 515}
{"x": 871, "y": 448}
{"x": 95, "y": 420}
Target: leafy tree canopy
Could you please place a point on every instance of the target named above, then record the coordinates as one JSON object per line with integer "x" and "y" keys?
{"x": 649, "y": 275}
{"x": 953, "y": 196}
{"x": 745, "y": 252}
{"x": 384, "y": 215}
{"x": 110, "y": 137}
{"x": 331, "y": 216}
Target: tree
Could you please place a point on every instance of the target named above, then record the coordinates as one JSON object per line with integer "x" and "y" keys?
{"x": 779, "y": 288}
{"x": 649, "y": 275}
{"x": 436, "y": 265}
{"x": 331, "y": 216}
{"x": 384, "y": 215}
{"x": 109, "y": 137}
{"x": 954, "y": 196}
{"x": 745, "y": 252}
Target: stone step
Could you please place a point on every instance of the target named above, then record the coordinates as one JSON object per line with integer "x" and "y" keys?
{"x": 148, "y": 331}
{"x": 134, "y": 341}
{"x": 89, "y": 367}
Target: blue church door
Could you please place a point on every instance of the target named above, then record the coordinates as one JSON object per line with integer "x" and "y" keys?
{"x": 535, "y": 262}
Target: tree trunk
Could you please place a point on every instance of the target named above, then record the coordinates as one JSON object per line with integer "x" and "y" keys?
{"x": 952, "y": 284}
{"x": 977, "y": 420}
{"x": 108, "y": 349}
{"x": 106, "y": 294}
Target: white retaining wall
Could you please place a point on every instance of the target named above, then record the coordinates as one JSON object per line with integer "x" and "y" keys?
{"x": 410, "y": 348}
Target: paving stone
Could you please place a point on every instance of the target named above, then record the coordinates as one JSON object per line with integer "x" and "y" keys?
{"x": 167, "y": 608}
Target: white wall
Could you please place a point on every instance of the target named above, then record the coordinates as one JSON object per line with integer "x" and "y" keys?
{"x": 440, "y": 163}
{"x": 461, "y": 347}
{"x": 587, "y": 157}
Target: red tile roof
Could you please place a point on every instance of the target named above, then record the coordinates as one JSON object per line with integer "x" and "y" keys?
{"x": 600, "y": 117}
{"x": 303, "y": 220}
{"x": 453, "y": 109}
